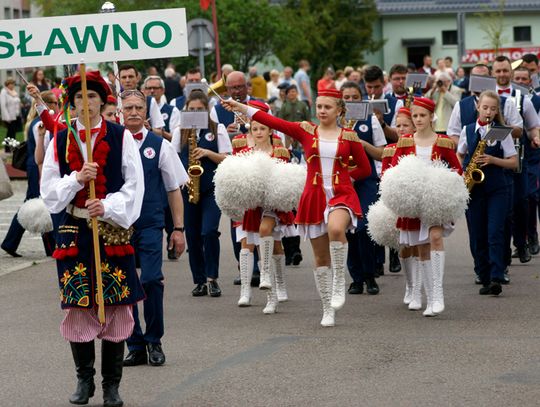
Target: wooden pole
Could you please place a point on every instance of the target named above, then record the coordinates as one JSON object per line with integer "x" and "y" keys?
{"x": 92, "y": 195}
{"x": 216, "y": 36}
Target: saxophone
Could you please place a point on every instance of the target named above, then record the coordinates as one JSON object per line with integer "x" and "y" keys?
{"x": 474, "y": 175}
{"x": 195, "y": 170}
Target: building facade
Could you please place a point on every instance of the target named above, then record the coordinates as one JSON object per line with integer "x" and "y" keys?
{"x": 413, "y": 29}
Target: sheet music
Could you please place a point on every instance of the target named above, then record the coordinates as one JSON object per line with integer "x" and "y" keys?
{"x": 357, "y": 110}
{"x": 193, "y": 120}
{"x": 498, "y": 133}
{"x": 416, "y": 80}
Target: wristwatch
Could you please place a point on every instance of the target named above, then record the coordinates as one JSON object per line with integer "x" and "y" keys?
{"x": 179, "y": 229}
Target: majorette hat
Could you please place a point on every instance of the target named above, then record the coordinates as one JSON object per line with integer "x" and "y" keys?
{"x": 426, "y": 103}
{"x": 94, "y": 82}
{"x": 331, "y": 93}
{"x": 404, "y": 110}
{"x": 259, "y": 105}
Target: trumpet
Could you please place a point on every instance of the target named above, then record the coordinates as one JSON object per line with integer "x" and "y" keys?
{"x": 220, "y": 85}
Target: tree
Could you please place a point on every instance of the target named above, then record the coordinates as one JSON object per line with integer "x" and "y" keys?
{"x": 492, "y": 23}
{"x": 249, "y": 30}
{"x": 331, "y": 32}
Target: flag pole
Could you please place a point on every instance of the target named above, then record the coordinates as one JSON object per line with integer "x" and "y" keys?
{"x": 92, "y": 195}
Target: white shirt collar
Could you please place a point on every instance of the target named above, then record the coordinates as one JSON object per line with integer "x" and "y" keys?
{"x": 80, "y": 126}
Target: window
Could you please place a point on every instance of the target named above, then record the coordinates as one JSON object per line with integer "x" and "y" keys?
{"x": 26, "y": 14}
{"x": 7, "y": 13}
{"x": 522, "y": 34}
{"x": 16, "y": 13}
{"x": 449, "y": 37}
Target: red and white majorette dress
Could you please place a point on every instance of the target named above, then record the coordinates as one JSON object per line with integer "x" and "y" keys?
{"x": 328, "y": 184}
{"x": 412, "y": 231}
{"x": 249, "y": 227}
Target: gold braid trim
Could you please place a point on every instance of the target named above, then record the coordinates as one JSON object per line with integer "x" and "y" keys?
{"x": 389, "y": 152}
{"x": 445, "y": 143}
{"x": 308, "y": 127}
{"x": 350, "y": 136}
{"x": 405, "y": 142}
{"x": 281, "y": 152}
{"x": 239, "y": 142}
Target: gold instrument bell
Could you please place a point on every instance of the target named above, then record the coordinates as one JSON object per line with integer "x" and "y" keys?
{"x": 516, "y": 63}
{"x": 218, "y": 87}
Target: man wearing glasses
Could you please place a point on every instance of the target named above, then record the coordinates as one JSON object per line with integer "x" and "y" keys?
{"x": 155, "y": 87}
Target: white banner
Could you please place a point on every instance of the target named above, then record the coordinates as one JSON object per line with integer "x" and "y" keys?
{"x": 85, "y": 38}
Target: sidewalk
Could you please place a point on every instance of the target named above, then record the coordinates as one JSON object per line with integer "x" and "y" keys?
{"x": 31, "y": 247}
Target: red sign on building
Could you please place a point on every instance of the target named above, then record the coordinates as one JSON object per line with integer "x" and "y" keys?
{"x": 474, "y": 56}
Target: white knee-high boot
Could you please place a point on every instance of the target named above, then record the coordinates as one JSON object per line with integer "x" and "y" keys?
{"x": 323, "y": 281}
{"x": 437, "y": 264}
{"x": 409, "y": 264}
{"x": 266, "y": 246}
{"x": 416, "y": 273}
{"x": 279, "y": 268}
{"x": 246, "y": 272}
{"x": 338, "y": 256}
{"x": 427, "y": 273}
{"x": 271, "y": 295}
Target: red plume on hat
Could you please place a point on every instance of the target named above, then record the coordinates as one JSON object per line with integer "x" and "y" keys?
{"x": 94, "y": 82}
{"x": 331, "y": 93}
{"x": 259, "y": 105}
{"x": 426, "y": 103}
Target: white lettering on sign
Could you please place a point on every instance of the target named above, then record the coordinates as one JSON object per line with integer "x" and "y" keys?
{"x": 93, "y": 38}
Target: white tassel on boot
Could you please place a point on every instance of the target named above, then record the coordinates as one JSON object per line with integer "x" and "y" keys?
{"x": 323, "y": 281}
{"x": 271, "y": 295}
{"x": 416, "y": 273}
{"x": 279, "y": 268}
{"x": 427, "y": 273}
{"x": 266, "y": 246}
{"x": 338, "y": 253}
{"x": 437, "y": 264}
{"x": 409, "y": 264}
{"x": 246, "y": 272}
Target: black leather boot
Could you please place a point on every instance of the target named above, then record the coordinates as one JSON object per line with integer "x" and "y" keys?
{"x": 84, "y": 355}
{"x": 112, "y": 361}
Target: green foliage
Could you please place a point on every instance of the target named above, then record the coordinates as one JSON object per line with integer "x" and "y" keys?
{"x": 331, "y": 32}
{"x": 492, "y": 24}
{"x": 326, "y": 32}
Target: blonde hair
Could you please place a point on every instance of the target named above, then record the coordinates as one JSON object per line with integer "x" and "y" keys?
{"x": 499, "y": 118}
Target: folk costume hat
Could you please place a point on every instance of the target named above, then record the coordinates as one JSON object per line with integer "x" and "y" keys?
{"x": 331, "y": 93}
{"x": 94, "y": 82}
{"x": 426, "y": 103}
{"x": 404, "y": 111}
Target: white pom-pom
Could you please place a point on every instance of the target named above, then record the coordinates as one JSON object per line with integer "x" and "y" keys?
{"x": 404, "y": 186}
{"x": 447, "y": 198}
{"x": 285, "y": 186}
{"x": 240, "y": 182}
{"x": 34, "y": 216}
{"x": 381, "y": 224}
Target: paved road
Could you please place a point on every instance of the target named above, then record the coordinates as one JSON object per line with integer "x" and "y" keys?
{"x": 482, "y": 351}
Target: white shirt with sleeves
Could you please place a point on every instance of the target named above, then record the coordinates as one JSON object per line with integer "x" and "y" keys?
{"x": 122, "y": 207}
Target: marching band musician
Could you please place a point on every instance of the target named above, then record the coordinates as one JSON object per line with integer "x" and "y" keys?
{"x": 488, "y": 199}
{"x": 361, "y": 256}
{"x": 119, "y": 181}
{"x": 502, "y": 71}
{"x": 329, "y": 205}
{"x": 522, "y": 76}
{"x": 202, "y": 218}
{"x": 427, "y": 145}
{"x": 264, "y": 228}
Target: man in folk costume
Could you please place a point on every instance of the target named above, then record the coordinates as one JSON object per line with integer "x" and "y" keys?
{"x": 162, "y": 171}
{"x": 119, "y": 185}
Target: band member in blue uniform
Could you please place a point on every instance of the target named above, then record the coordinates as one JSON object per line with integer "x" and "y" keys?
{"x": 209, "y": 147}
{"x": 35, "y": 135}
{"x": 162, "y": 171}
{"x": 361, "y": 256}
{"x": 522, "y": 76}
{"x": 489, "y": 199}
{"x": 502, "y": 71}
{"x": 119, "y": 184}
{"x": 374, "y": 80}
